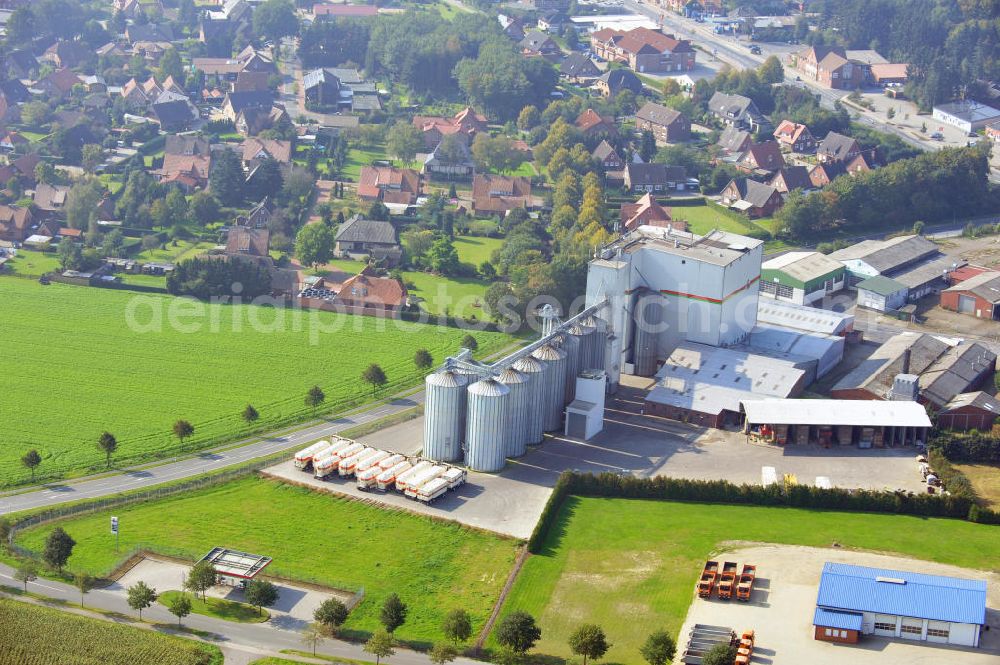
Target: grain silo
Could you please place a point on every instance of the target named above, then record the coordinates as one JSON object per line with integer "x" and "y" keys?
{"x": 485, "y": 424}
{"x": 535, "y": 425}
{"x": 444, "y": 422}
{"x": 587, "y": 341}
{"x": 517, "y": 410}
{"x": 600, "y": 342}
{"x": 553, "y": 385}
{"x": 647, "y": 316}
{"x": 573, "y": 346}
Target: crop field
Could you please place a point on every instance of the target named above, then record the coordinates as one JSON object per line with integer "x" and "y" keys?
{"x": 434, "y": 566}
{"x": 78, "y": 361}
{"x": 33, "y": 635}
{"x": 630, "y": 566}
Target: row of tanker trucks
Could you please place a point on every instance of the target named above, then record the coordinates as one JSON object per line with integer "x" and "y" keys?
{"x": 372, "y": 468}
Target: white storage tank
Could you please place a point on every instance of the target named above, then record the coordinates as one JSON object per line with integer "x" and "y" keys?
{"x": 444, "y": 415}
{"x": 553, "y": 385}
{"x": 535, "y": 422}
{"x": 486, "y": 425}
{"x": 516, "y": 440}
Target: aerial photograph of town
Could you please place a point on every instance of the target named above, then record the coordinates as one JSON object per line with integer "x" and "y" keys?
{"x": 526, "y": 332}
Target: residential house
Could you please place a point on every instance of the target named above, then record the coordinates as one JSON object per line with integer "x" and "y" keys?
{"x": 12, "y": 141}
{"x": 50, "y": 200}
{"x": 389, "y": 184}
{"x": 553, "y": 22}
{"x": 368, "y": 294}
{"x": 830, "y": 66}
{"x": 860, "y": 163}
{"x": 643, "y": 50}
{"x": 614, "y": 81}
{"x": 59, "y": 84}
{"x": 738, "y": 111}
{"x": 149, "y": 32}
{"x": 466, "y": 122}
{"x": 647, "y": 212}
{"x": 68, "y": 54}
{"x": 15, "y": 223}
{"x": 248, "y": 241}
{"x": 248, "y": 60}
{"x": 496, "y": 194}
{"x": 734, "y": 141}
{"x": 111, "y": 50}
{"x": 791, "y": 177}
{"x": 361, "y": 238}
{"x": 607, "y": 157}
{"x": 254, "y": 120}
{"x": 751, "y": 197}
{"x": 238, "y": 102}
{"x": 259, "y": 216}
{"x": 654, "y": 178}
{"x": 762, "y": 158}
{"x": 257, "y": 150}
{"x": 20, "y": 64}
{"x": 450, "y": 160}
{"x": 579, "y": 68}
{"x": 795, "y": 136}
{"x": 592, "y": 124}
{"x": 247, "y": 81}
{"x": 537, "y": 43}
{"x": 822, "y": 175}
{"x": 666, "y": 124}
{"x": 95, "y": 83}
{"x": 22, "y": 168}
{"x": 837, "y": 148}
{"x": 340, "y": 88}
{"x": 513, "y": 29}
{"x": 14, "y": 92}
{"x": 187, "y": 161}
{"x": 173, "y": 111}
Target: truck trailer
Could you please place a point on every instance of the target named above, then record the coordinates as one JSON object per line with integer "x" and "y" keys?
{"x": 387, "y": 478}
{"x": 402, "y": 481}
{"x": 350, "y": 465}
{"x": 727, "y": 580}
{"x": 304, "y": 457}
{"x": 414, "y": 484}
{"x": 432, "y": 490}
{"x": 455, "y": 476}
{"x": 745, "y": 586}
{"x": 707, "y": 581}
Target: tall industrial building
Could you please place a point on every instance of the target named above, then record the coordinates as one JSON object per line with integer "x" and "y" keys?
{"x": 665, "y": 287}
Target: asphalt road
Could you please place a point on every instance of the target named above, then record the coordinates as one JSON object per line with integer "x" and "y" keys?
{"x": 55, "y": 493}
{"x": 228, "y": 635}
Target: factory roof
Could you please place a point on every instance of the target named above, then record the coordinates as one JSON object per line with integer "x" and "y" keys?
{"x": 881, "y": 285}
{"x": 776, "y": 339}
{"x": 888, "y": 255}
{"x": 716, "y": 247}
{"x": 902, "y": 593}
{"x": 803, "y": 267}
{"x": 802, "y": 317}
{"x": 832, "y": 412}
{"x": 710, "y": 379}
{"x": 928, "y": 271}
{"x": 985, "y": 285}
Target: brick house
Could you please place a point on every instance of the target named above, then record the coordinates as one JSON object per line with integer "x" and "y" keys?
{"x": 614, "y": 81}
{"x": 607, "y": 157}
{"x": 591, "y": 123}
{"x": 370, "y": 294}
{"x": 15, "y": 223}
{"x": 389, "y": 184}
{"x": 666, "y": 124}
{"x": 643, "y": 50}
{"x": 756, "y": 199}
{"x": 492, "y": 194}
{"x": 795, "y": 136}
{"x": 647, "y": 212}
{"x": 967, "y": 411}
{"x": 791, "y": 177}
{"x": 837, "y": 148}
{"x": 654, "y": 178}
{"x": 738, "y": 111}
{"x": 466, "y": 122}
{"x": 830, "y": 66}
{"x": 764, "y": 156}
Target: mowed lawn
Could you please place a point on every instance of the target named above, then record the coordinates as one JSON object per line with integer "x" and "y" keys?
{"x": 78, "y": 361}
{"x": 474, "y": 250}
{"x": 631, "y": 566}
{"x": 434, "y": 566}
{"x": 985, "y": 479}
{"x": 702, "y": 219}
{"x": 35, "y": 635}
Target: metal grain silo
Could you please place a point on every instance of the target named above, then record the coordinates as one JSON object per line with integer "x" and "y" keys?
{"x": 553, "y": 385}
{"x": 598, "y": 341}
{"x": 444, "y": 419}
{"x": 486, "y": 424}
{"x": 517, "y": 410}
{"x": 586, "y": 343}
{"x": 571, "y": 345}
{"x": 534, "y": 370}
{"x": 647, "y": 316}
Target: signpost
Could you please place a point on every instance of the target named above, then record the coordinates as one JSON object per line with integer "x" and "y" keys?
{"x": 114, "y": 530}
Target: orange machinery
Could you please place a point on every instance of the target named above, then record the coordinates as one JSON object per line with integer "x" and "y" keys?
{"x": 727, "y": 580}
{"x": 707, "y": 581}
{"x": 745, "y": 585}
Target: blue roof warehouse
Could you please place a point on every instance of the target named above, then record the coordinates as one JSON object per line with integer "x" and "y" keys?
{"x": 857, "y": 600}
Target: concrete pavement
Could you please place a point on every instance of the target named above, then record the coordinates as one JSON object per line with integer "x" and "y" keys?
{"x": 260, "y": 638}
{"x": 55, "y": 493}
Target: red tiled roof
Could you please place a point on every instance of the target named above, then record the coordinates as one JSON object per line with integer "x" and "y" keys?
{"x": 364, "y": 290}
{"x": 388, "y": 183}
{"x": 591, "y": 119}
{"x": 498, "y": 193}
{"x": 647, "y": 212}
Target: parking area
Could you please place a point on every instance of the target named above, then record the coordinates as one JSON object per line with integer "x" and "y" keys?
{"x": 781, "y": 609}
{"x": 511, "y": 501}
{"x": 292, "y": 611}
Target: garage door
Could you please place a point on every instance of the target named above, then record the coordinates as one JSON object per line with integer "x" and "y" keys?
{"x": 966, "y": 304}
{"x": 938, "y": 631}
{"x": 885, "y": 625}
{"x": 912, "y": 629}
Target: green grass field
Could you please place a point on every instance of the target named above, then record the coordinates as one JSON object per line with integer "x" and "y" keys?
{"x": 474, "y": 251}
{"x": 220, "y": 608}
{"x": 457, "y": 296}
{"x": 35, "y": 635}
{"x": 29, "y": 263}
{"x": 75, "y": 346}
{"x": 433, "y": 566}
{"x": 358, "y": 157}
{"x": 175, "y": 251}
{"x": 631, "y": 566}
{"x": 704, "y": 218}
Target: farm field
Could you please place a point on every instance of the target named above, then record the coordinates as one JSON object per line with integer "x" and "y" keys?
{"x": 137, "y": 381}
{"x": 432, "y": 565}
{"x": 35, "y": 635}
{"x": 630, "y": 565}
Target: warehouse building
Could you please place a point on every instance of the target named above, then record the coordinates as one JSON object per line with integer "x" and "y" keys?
{"x": 977, "y": 296}
{"x": 801, "y": 277}
{"x": 884, "y": 257}
{"x": 883, "y": 294}
{"x": 818, "y": 352}
{"x": 968, "y": 411}
{"x": 805, "y": 319}
{"x": 857, "y": 600}
{"x": 233, "y": 568}
{"x": 833, "y": 422}
{"x": 945, "y": 369}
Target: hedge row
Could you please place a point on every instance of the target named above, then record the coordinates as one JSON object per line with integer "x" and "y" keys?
{"x": 725, "y": 492}
{"x": 974, "y": 447}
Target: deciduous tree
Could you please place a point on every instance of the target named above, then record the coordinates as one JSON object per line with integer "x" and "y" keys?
{"x": 314, "y": 244}
{"x": 375, "y": 377}
{"x": 442, "y": 653}
{"x": 314, "y": 397}
{"x": 518, "y": 632}
{"x": 200, "y": 578}
{"x": 58, "y": 548}
{"x": 261, "y": 593}
{"x": 250, "y": 414}
{"x": 180, "y": 607}
{"x": 659, "y": 648}
{"x": 140, "y": 596}
{"x": 27, "y": 571}
{"x": 183, "y": 429}
{"x": 381, "y": 645}
{"x": 589, "y": 641}
{"x": 393, "y": 613}
{"x": 457, "y": 625}
{"x": 84, "y": 584}
{"x": 30, "y": 460}
{"x": 331, "y": 614}
{"x": 404, "y": 141}
{"x": 423, "y": 359}
{"x": 108, "y": 444}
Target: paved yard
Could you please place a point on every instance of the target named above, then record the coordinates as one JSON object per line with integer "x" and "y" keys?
{"x": 781, "y": 608}
{"x": 511, "y": 501}
{"x": 293, "y": 611}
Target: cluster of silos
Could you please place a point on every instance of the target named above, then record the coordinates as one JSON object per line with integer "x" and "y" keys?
{"x": 487, "y": 421}
{"x": 445, "y": 398}
{"x": 553, "y": 379}
{"x": 592, "y": 343}
{"x": 534, "y": 413}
